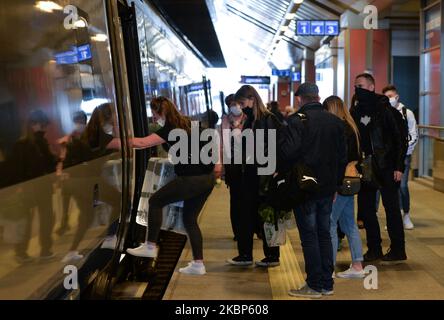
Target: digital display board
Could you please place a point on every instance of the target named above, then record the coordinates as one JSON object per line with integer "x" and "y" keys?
{"x": 317, "y": 28}
{"x": 75, "y": 55}
{"x": 255, "y": 80}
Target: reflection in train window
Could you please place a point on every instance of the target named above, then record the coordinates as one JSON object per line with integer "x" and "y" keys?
{"x": 60, "y": 174}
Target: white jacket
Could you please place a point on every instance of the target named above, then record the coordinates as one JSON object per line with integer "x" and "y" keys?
{"x": 413, "y": 129}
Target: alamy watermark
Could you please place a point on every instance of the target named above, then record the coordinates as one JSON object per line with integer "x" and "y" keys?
{"x": 260, "y": 147}
{"x": 71, "y": 281}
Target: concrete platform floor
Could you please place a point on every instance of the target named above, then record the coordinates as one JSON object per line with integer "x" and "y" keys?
{"x": 422, "y": 277}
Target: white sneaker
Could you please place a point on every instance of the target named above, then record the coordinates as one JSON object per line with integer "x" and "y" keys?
{"x": 144, "y": 250}
{"x": 351, "y": 273}
{"x": 72, "y": 256}
{"x": 193, "y": 268}
{"x": 408, "y": 225}
{"x": 385, "y": 228}
{"x": 110, "y": 242}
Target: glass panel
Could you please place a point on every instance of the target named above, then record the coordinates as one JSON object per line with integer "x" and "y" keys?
{"x": 60, "y": 174}
{"x": 432, "y": 27}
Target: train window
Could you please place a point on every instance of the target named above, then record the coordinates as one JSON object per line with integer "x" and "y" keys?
{"x": 59, "y": 169}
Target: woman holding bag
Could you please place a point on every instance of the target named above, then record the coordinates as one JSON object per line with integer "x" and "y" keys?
{"x": 343, "y": 207}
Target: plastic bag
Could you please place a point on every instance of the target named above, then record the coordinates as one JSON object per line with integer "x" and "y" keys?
{"x": 173, "y": 218}
{"x": 275, "y": 237}
{"x": 160, "y": 171}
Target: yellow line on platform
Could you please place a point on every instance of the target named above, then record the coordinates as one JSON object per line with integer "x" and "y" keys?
{"x": 286, "y": 276}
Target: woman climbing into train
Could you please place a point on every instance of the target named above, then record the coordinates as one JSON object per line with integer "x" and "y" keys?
{"x": 193, "y": 185}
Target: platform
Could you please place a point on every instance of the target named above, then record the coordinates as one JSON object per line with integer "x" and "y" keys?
{"x": 422, "y": 277}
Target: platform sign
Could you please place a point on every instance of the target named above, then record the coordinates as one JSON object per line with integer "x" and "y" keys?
{"x": 317, "y": 28}
{"x": 331, "y": 28}
{"x": 296, "y": 76}
{"x": 281, "y": 73}
{"x": 84, "y": 52}
{"x": 255, "y": 80}
{"x": 303, "y": 28}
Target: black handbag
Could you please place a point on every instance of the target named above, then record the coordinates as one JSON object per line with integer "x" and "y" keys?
{"x": 350, "y": 186}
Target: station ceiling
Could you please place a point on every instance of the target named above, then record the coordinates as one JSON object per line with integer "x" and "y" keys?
{"x": 243, "y": 33}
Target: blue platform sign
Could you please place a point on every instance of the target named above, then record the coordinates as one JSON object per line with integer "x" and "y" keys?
{"x": 303, "y": 28}
{"x": 255, "y": 80}
{"x": 84, "y": 52}
{"x": 296, "y": 76}
{"x": 317, "y": 28}
{"x": 281, "y": 73}
{"x": 75, "y": 55}
{"x": 331, "y": 28}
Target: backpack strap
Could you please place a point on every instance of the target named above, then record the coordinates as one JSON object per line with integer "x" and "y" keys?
{"x": 404, "y": 114}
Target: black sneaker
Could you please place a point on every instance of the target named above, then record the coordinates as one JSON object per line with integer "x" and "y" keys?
{"x": 241, "y": 261}
{"x": 268, "y": 262}
{"x": 394, "y": 257}
{"x": 373, "y": 255}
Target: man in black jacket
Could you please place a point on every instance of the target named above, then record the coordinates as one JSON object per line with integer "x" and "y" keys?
{"x": 381, "y": 139}
{"x": 319, "y": 143}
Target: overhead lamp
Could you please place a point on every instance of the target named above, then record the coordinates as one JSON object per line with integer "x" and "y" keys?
{"x": 48, "y": 6}
{"x": 284, "y": 28}
{"x": 100, "y": 37}
{"x": 290, "y": 16}
{"x": 298, "y": 1}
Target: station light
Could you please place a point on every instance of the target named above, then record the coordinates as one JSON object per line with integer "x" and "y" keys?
{"x": 48, "y": 6}
{"x": 284, "y": 28}
{"x": 81, "y": 23}
{"x": 290, "y": 16}
{"x": 298, "y": 1}
{"x": 100, "y": 37}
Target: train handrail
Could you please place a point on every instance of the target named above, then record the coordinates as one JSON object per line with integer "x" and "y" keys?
{"x": 431, "y": 127}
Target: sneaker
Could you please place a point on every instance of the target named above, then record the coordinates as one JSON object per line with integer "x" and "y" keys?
{"x": 110, "y": 242}
{"x": 268, "y": 262}
{"x": 351, "y": 274}
{"x": 408, "y": 225}
{"x": 193, "y": 268}
{"x": 360, "y": 224}
{"x": 373, "y": 255}
{"x": 23, "y": 258}
{"x": 385, "y": 228}
{"x": 72, "y": 256}
{"x": 241, "y": 261}
{"x": 326, "y": 292}
{"x": 393, "y": 258}
{"x": 144, "y": 250}
{"x": 305, "y": 292}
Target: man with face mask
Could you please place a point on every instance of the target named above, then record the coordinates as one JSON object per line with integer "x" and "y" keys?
{"x": 235, "y": 119}
{"x": 410, "y": 123}
{"x": 380, "y": 140}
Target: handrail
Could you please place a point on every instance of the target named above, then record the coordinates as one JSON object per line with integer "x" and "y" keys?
{"x": 430, "y": 127}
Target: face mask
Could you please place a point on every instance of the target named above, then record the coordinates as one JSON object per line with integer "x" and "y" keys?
{"x": 248, "y": 112}
{"x": 161, "y": 122}
{"x": 394, "y": 101}
{"x": 236, "y": 110}
{"x": 108, "y": 128}
{"x": 79, "y": 127}
{"x": 363, "y": 94}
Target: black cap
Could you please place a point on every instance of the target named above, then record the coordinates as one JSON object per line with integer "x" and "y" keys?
{"x": 307, "y": 89}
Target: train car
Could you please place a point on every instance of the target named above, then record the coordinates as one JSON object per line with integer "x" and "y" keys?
{"x": 76, "y": 79}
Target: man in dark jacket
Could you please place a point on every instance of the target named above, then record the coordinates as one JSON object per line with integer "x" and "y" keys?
{"x": 319, "y": 144}
{"x": 381, "y": 139}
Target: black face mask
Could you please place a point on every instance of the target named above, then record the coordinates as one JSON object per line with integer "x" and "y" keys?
{"x": 364, "y": 95}
{"x": 248, "y": 112}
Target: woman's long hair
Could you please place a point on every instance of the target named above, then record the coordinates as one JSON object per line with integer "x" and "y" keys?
{"x": 101, "y": 115}
{"x": 165, "y": 107}
{"x": 248, "y": 92}
{"x": 336, "y": 106}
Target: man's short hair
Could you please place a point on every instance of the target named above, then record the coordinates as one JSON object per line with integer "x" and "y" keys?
{"x": 367, "y": 76}
{"x": 390, "y": 87}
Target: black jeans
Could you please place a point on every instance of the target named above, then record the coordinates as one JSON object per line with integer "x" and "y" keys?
{"x": 313, "y": 221}
{"x": 248, "y": 219}
{"x": 390, "y": 199}
{"x": 194, "y": 191}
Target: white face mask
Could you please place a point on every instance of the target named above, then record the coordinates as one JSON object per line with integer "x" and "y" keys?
{"x": 394, "y": 101}
{"x": 161, "y": 122}
{"x": 108, "y": 128}
{"x": 236, "y": 110}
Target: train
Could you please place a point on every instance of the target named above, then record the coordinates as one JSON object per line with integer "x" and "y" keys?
{"x": 73, "y": 73}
